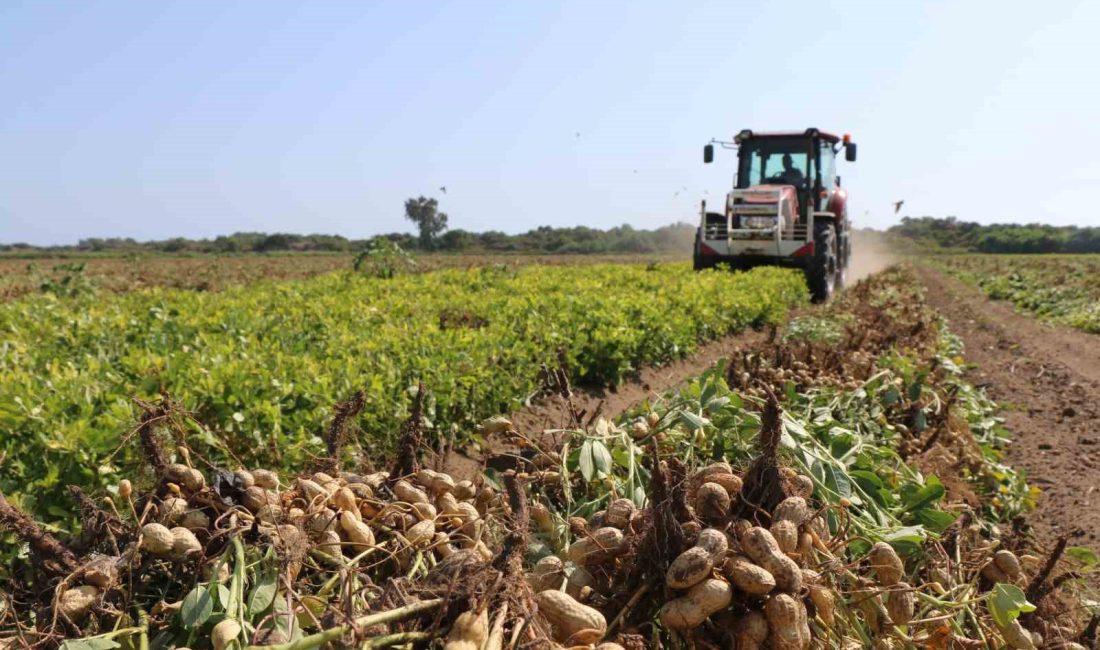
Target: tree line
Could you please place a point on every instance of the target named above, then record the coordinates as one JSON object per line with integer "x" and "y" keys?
{"x": 675, "y": 238}
{"x": 432, "y": 235}
{"x": 950, "y": 233}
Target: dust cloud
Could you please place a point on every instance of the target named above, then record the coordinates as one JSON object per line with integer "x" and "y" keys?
{"x": 870, "y": 254}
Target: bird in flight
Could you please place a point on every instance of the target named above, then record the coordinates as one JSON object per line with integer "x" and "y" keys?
{"x": 443, "y": 189}
{"x": 897, "y": 206}
{"x": 577, "y": 134}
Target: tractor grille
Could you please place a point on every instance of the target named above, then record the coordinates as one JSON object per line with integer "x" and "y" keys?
{"x": 716, "y": 231}
{"x": 715, "y": 227}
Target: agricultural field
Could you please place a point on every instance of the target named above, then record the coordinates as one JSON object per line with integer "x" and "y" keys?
{"x": 1063, "y": 289}
{"x": 260, "y": 366}
{"x": 21, "y": 274}
{"x": 840, "y": 484}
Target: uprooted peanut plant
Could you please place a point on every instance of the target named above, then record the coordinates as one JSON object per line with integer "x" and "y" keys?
{"x": 837, "y": 487}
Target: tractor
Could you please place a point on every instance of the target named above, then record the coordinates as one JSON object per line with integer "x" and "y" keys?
{"x": 786, "y": 208}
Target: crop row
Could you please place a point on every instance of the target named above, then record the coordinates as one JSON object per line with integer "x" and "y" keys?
{"x": 1063, "y": 289}
{"x": 717, "y": 516}
{"x": 260, "y": 366}
{"x": 76, "y": 272}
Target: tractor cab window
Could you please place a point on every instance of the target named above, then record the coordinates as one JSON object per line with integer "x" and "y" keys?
{"x": 774, "y": 162}
{"x": 828, "y": 166}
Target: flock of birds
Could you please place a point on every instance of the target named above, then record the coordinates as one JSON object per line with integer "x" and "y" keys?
{"x": 897, "y": 204}
{"x": 676, "y": 194}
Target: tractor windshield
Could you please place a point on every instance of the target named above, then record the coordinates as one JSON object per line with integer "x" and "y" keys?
{"x": 774, "y": 161}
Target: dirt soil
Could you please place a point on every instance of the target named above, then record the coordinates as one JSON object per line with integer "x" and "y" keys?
{"x": 1048, "y": 380}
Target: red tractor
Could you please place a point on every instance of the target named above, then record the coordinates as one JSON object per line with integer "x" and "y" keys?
{"x": 786, "y": 208}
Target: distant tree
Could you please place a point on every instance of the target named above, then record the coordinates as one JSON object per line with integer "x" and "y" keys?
{"x": 402, "y": 239}
{"x": 174, "y": 245}
{"x": 494, "y": 240}
{"x": 457, "y": 240}
{"x": 275, "y": 242}
{"x": 225, "y": 244}
{"x": 674, "y": 238}
{"x": 429, "y": 221}
{"x": 950, "y": 233}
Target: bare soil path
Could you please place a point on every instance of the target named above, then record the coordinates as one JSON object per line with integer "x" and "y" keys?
{"x": 552, "y": 412}
{"x": 1048, "y": 379}
{"x": 650, "y": 382}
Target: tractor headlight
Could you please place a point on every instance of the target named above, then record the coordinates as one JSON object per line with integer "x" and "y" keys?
{"x": 757, "y": 223}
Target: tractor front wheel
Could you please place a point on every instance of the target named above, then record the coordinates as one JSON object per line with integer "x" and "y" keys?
{"x": 822, "y": 273}
{"x": 698, "y": 262}
{"x": 845, "y": 261}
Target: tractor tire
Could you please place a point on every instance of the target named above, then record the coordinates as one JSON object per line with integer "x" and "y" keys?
{"x": 698, "y": 262}
{"x": 822, "y": 273}
{"x": 845, "y": 261}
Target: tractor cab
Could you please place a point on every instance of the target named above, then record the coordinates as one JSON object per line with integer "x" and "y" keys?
{"x": 786, "y": 207}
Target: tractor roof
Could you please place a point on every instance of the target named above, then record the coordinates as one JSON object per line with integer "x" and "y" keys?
{"x": 748, "y": 133}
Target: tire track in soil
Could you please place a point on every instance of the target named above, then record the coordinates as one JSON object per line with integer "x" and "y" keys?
{"x": 1048, "y": 380}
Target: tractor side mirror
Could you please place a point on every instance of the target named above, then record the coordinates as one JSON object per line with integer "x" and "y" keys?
{"x": 850, "y": 152}
{"x": 708, "y": 154}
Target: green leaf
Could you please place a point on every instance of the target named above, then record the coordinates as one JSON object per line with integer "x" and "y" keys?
{"x": 718, "y": 448}
{"x": 841, "y": 442}
{"x": 585, "y": 461}
{"x": 915, "y": 390}
{"x": 891, "y": 396}
{"x": 223, "y": 596}
{"x": 601, "y": 458}
{"x": 858, "y": 547}
{"x": 709, "y": 389}
{"x": 936, "y": 520}
{"x": 716, "y": 404}
{"x": 263, "y": 594}
{"x": 1085, "y": 556}
{"x": 284, "y": 619}
{"x": 196, "y": 608}
{"x": 906, "y": 540}
{"x": 692, "y": 421}
{"x": 920, "y": 422}
{"x": 1006, "y": 603}
{"x": 930, "y": 493}
{"x": 837, "y": 481}
{"x": 869, "y": 481}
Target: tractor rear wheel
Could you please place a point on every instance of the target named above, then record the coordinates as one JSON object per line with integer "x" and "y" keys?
{"x": 822, "y": 273}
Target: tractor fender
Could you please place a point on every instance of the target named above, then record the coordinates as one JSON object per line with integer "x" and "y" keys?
{"x": 838, "y": 205}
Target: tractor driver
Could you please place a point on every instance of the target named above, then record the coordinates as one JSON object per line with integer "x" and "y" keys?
{"x": 791, "y": 175}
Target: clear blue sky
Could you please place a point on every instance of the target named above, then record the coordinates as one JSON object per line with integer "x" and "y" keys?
{"x": 157, "y": 119}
